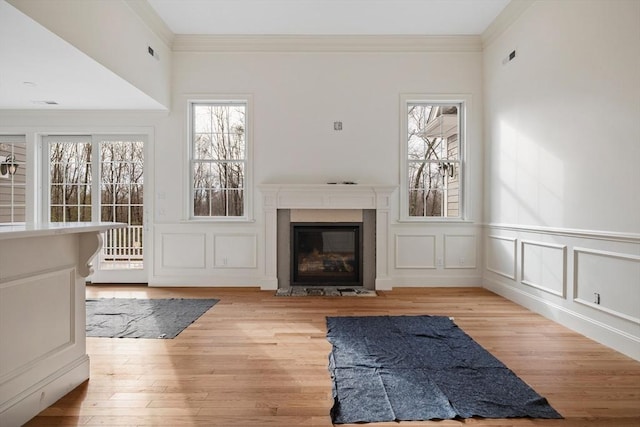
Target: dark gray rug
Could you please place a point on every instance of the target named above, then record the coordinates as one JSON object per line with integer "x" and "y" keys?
{"x": 143, "y": 318}
{"x": 411, "y": 368}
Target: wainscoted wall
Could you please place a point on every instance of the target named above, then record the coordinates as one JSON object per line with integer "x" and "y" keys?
{"x": 436, "y": 254}
{"x": 206, "y": 254}
{"x": 589, "y": 281}
{"x": 561, "y": 174}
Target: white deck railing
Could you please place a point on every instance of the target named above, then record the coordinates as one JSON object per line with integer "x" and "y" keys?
{"x": 123, "y": 244}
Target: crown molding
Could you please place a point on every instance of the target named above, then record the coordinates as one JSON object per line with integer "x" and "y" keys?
{"x": 326, "y": 43}
{"x": 152, "y": 20}
{"x": 508, "y": 16}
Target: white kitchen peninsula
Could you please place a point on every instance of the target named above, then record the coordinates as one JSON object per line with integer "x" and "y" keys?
{"x": 42, "y": 313}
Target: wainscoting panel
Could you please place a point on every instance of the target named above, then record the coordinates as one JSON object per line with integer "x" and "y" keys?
{"x": 608, "y": 281}
{"x": 587, "y": 280}
{"x": 235, "y": 250}
{"x": 55, "y": 306}
{"x": 415, "y": 251}
{"x": 544, "y": 266}
{"x": 460, "y": 251}
{"x": 501, "y": 255}
{"x": 183, "y": 250}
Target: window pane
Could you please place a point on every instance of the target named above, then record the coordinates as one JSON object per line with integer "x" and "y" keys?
{"x": 218, "y": 202}
{"x": 425, "y": 202}
{"x": 219, "y": 132}
{"x": 84, "y": 194}
{"x": 203, "y": 147}
{"x": 432, "y": 131}
{"x": 71, "y": 214}
{"x": 426, "y": 185}
{"x": 106, "y": 213}
{"x": 122, "y": 214}
{"x": 137, "y": 194}
{"x": 121, "y": 194}
{"x": 235, "y": 200}
{"x": 433, "y": 159}
{"x": 218, "y": 157}
{"x": 201, "y": 202}
{"x": 136, "y": 215}
{"x": 107, "y": 194}
{"x": 85, "y": 213}
{"x": 229, "y": 175}
{"x": 57, "y": 194}
{"x": 71, "y": 194}
{"x": 70, "y": 181}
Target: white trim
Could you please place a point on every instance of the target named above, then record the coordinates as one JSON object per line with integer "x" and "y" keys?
{"x": 399, "y": 266}
{"x": 503, "y": 21}
{"x": 569, "y": 232}
{"x": 464, "y": 100}
{"x": 458, "y": 266}
{"x": 240, "y": 99}
{"x": 514, "y": 272}
{"x": 325, "y": 43}
{"x": 254, "y": 263}
{"x": 601, "y": 332}
{"x": 325, "y": 196}
{"x": 437, "y": 281}
{"x": 152, "y": 20}
{"x": 541, "y": 287}
{"x": 576, "y": 259}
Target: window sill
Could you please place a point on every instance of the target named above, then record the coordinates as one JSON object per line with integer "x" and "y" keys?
{"x": 221, "y": 220}
{"x": 434, "y": 221}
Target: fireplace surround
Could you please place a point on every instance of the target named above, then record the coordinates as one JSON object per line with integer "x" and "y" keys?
{"x": 377, "y": 198}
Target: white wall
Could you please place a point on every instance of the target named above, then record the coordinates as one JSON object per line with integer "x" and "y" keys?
{"x": 296, "y": 98}
{"x": 562, "y": 135}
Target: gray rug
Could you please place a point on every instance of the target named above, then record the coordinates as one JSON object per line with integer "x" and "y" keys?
{"x": 143, "y": 318}
{"x": 411, "y": 368}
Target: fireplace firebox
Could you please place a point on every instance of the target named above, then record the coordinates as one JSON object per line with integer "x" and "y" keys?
{"x": 326, "y": 254}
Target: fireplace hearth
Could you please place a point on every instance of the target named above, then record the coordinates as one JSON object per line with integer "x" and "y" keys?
{"x": 326, "y": 254}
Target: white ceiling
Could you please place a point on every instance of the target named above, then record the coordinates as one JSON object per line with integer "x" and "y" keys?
{"x": 326, "y": 17}
{"x": 37, "y": 66}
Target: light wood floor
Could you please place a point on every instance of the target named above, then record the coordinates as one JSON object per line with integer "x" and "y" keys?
{"x": 259, "y": 360}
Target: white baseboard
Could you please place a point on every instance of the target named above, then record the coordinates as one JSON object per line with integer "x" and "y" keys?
{"x": 428, "y": 281}
{"x": 205, "y": 281}
{"x": 604, "y": 334}
{"x": 45, "y": 393}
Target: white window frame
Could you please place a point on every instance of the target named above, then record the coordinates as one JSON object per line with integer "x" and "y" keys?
{"x": 465, "y": 104}
{"x": 242, "y": 99}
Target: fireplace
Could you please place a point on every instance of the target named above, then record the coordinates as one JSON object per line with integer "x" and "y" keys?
{"x": 374, "y": 201}
{"x": 326, "y": 254}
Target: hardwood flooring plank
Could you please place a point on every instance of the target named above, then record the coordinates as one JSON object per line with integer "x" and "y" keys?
{"x": 259, "y": 360}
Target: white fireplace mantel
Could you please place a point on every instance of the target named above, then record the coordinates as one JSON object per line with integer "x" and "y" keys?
{"x": 326, "y": 196}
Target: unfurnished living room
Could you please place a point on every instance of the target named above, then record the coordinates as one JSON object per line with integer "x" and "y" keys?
{"x": 320, "y": 212}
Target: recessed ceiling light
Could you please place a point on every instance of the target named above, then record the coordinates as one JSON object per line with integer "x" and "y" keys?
{"x": 30, "y": 84}
{"x": 45, "y": 102}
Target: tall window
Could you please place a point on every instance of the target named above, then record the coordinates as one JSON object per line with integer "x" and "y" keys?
{"x": 70, "y": 178}
{"x": 219, "y": 159}
{"x": 13, "y": 184}
{"x": 432, "y": 170}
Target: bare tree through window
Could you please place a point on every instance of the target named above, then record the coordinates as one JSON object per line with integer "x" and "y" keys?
{"x": 433, "y": 161}
{"x": 120, "y": 185}
{"x": 219, "y": 159}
